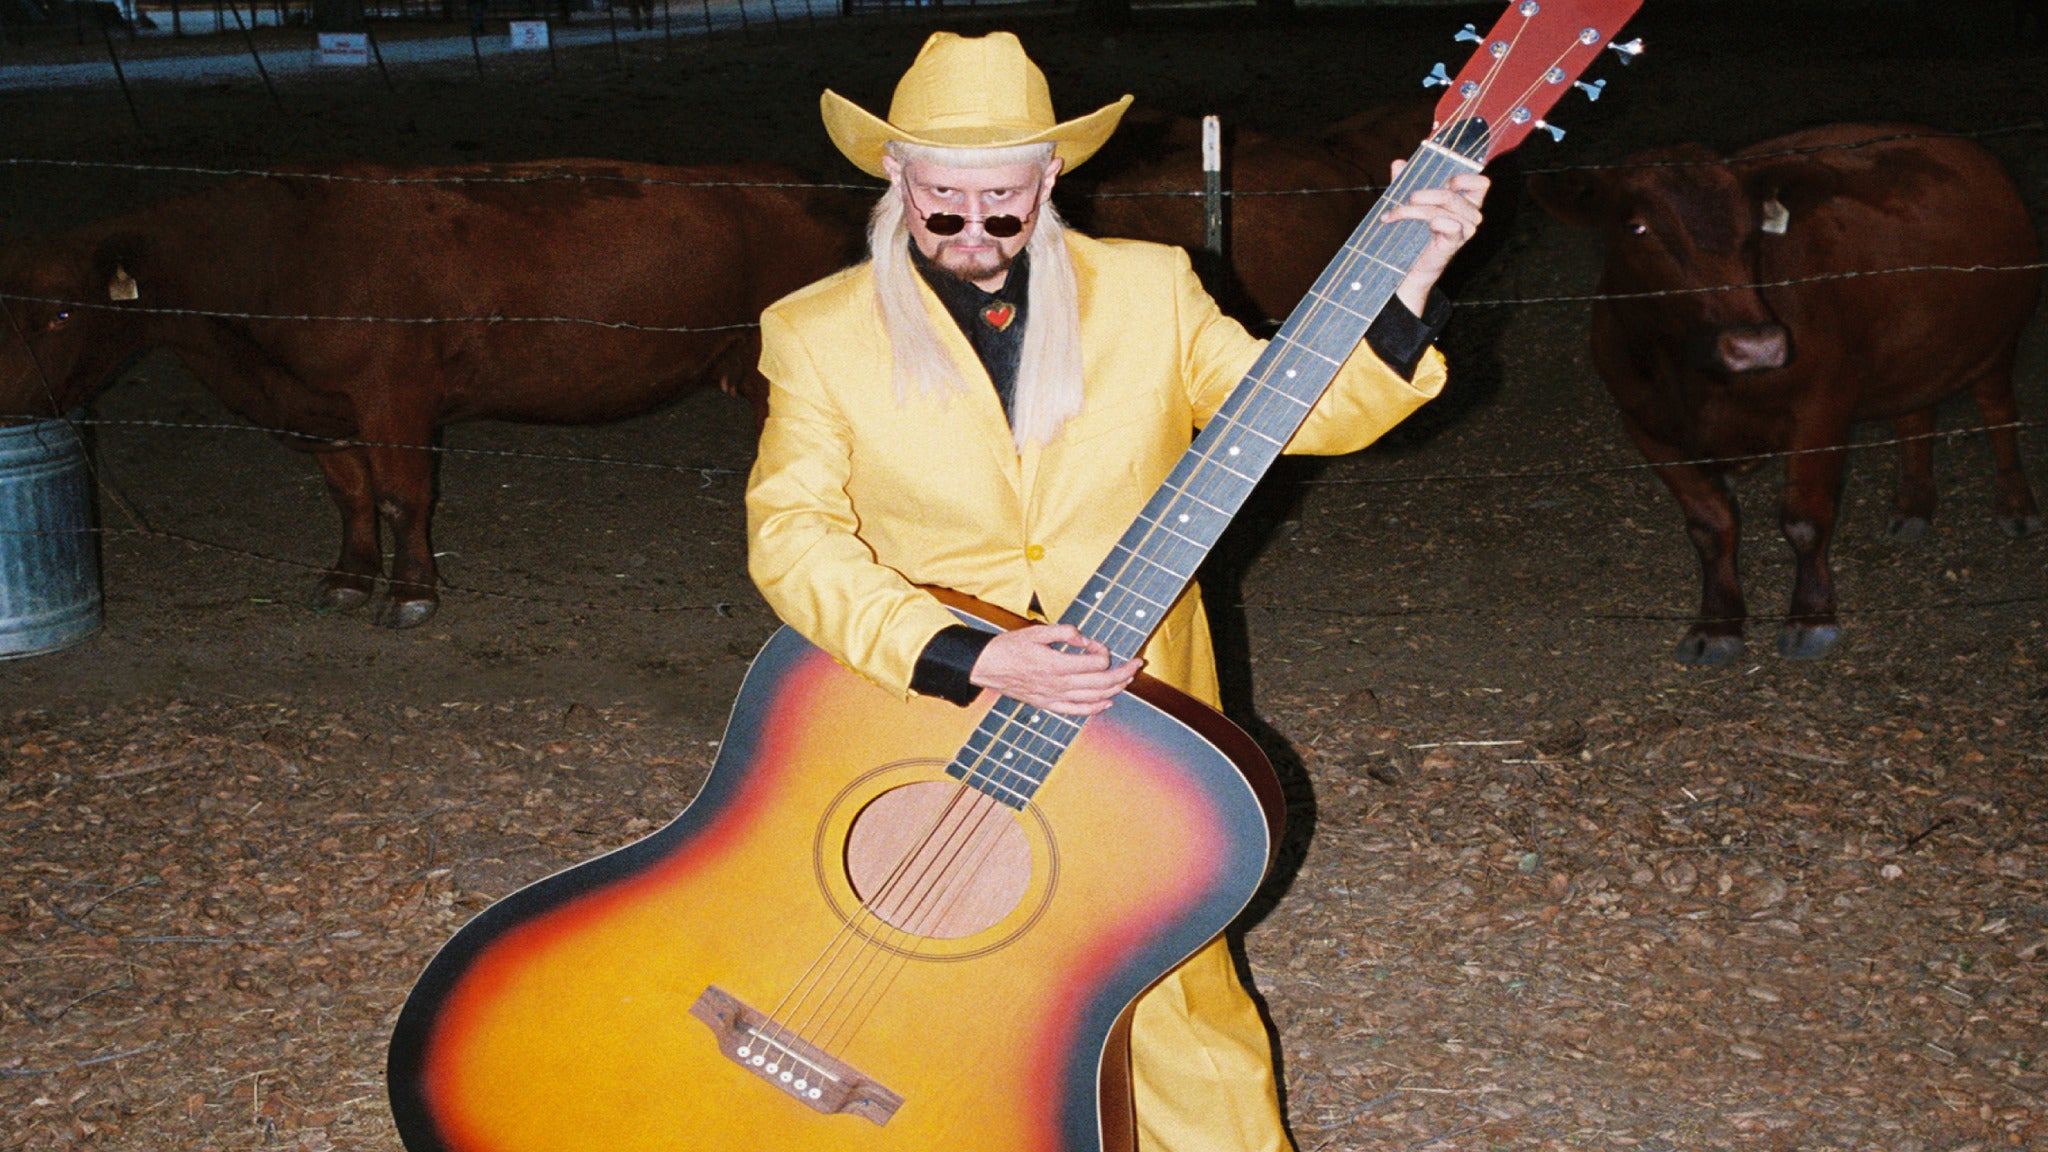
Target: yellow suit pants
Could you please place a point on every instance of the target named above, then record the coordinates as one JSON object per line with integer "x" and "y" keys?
{"x": 1201, "y": 1067}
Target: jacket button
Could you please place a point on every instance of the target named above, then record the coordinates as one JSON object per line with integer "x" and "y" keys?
{"x": 1035, "y": 552}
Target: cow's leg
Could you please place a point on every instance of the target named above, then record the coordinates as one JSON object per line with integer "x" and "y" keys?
{"x": 2014, "y": 505}
{"x": 353, "y": 579}
{"x": 1714, "y": 523}
{"x": 1813, "y": 485}
{"x": 1913, "y": 504}
{"x": 405, "y": 500}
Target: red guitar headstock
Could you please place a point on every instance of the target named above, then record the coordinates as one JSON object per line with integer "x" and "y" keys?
{"x": 1523, "y": 67}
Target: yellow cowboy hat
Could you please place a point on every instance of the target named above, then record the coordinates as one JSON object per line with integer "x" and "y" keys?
{"x": 967, "y": 92}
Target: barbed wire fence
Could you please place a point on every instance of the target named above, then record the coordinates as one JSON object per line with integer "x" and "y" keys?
{"x": 708, "y": 474}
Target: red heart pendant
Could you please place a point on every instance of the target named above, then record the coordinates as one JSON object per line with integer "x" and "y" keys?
{"x": 998, "y": 314}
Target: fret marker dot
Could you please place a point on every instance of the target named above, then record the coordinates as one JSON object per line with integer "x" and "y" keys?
{"x": 1355, "y": 286}
{"x": 1233, "y": 449}
{"x": 1009, "y": 755}
{"x": 1141, "y": 613}
{"x": 1290, "y": 373}
{"x": 1183, "y": 517}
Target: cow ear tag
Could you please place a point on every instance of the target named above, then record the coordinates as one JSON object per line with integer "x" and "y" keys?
{"x": 1776, "y": 218}
{"x": 123, "y": 286}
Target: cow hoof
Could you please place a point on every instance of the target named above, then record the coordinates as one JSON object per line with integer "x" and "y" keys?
{"x": 2017, "y": 525}
{"x": 1807, "y": 641}
{"x": 337, "y": 598}
{"x": 405, "y": 613}
{"x": 1702, "y": 651}
{"x": 1907, "y": 529}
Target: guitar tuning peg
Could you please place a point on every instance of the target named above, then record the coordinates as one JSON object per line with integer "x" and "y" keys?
{"x": 1470, "y": 33}
{"x": 1556, "y": 133}
{"x": 1437, "y": 75}
{"x": 1630, "y": 50}
{"x": 1592, "y": 89}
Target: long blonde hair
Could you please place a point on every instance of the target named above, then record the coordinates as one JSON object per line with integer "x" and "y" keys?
{"x": 1049, "y": 386}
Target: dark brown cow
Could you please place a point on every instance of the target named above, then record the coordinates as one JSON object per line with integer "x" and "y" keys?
{"x": 630, "y": 245}
{"x": 1788, "y": 369}
{"x": 1286, "y": 218}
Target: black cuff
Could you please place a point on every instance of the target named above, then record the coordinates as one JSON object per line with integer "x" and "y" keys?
{"x": 1399, "y": 338}
{"x": 947, "y": 660}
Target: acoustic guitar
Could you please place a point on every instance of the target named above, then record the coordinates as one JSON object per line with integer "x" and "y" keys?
{"x": 889, "y": 926}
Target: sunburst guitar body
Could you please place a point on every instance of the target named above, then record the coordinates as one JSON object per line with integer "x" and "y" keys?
{"x": 840, "y": 946}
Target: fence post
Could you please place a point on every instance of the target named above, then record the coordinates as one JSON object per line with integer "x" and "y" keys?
{"x": 378, "y": 54}
{"x": 256, "y": 56}
{"x": 1212, "y": 187}
{"x": 121, "y": 76}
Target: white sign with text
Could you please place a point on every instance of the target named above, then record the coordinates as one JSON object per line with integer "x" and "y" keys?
{"x": 529, "y": 35}
{"x": 345, "y": 49}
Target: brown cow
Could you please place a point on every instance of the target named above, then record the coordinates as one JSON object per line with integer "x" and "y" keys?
{"x": 629, "y": 246}
{"x": 1732, "y": 373}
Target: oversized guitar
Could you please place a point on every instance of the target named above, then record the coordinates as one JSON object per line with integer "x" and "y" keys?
{"x": 889, "y": 926}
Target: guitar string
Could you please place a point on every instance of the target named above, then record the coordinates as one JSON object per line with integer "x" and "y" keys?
{"x": 949, "y": 872}
{"x": 1395, "y": 194}
{"x": 881, "y": 977}
{"x": 834, "y": 1000}
{"x": 850, "y": 933}
{"x": 1207, "y": 476}
{"x": 1314, "y": 325}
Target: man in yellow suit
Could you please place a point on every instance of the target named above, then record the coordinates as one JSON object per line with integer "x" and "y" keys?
{"x": 984, "y": 405}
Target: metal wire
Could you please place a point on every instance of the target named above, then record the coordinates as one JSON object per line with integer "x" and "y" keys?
{"x": 706, "y": 471}
{"x": 722, "y": 608}
{"x": 1950, "y": 435}
{"x": 215, "y": 314}
{"x": 703, "y": 470}
{"x": 579, "y": 177}
{"x": 622, "y": 325}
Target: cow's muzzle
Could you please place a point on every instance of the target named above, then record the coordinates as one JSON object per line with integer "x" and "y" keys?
{"x": 1742, "y": 348}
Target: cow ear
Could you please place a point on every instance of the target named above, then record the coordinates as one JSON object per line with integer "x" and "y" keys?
{"x": 1786, "y": 192}
{"x": 1573, "y": 197}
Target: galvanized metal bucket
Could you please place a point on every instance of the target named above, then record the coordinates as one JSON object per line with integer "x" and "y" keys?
{"x": 49, "y": 553}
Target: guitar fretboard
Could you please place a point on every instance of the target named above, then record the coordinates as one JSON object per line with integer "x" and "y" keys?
{"x": 1015, "y": 746}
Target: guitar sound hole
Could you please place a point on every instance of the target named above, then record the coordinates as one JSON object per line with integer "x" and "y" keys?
{"x": 935, "y": 859}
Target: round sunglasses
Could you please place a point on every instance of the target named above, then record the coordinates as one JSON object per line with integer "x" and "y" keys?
{"x": 951, "y": 223}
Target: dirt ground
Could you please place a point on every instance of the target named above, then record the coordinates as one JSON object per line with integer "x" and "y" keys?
{"x": 1543, "y": 889}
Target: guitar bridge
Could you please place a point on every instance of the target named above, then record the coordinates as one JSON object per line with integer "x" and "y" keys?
{"x": 800, "y": 1069}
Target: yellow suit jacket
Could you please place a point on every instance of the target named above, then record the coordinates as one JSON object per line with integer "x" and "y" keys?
{"x": 856, "y": 498}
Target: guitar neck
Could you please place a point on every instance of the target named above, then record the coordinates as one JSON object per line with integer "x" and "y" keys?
{"x": 1016, "y": 745}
